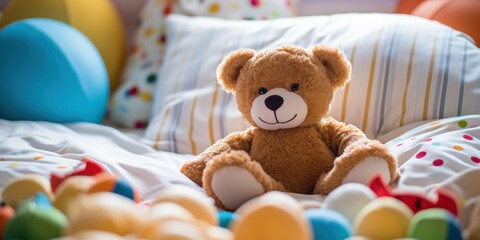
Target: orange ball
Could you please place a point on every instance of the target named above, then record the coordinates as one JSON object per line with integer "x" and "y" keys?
{"x": 462, "y": 15}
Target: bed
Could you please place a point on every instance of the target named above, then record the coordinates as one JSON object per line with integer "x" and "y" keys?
{"x": 415, "y": 86}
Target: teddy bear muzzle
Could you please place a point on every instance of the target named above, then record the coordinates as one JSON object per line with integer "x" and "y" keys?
{"x": 278, "y": 108}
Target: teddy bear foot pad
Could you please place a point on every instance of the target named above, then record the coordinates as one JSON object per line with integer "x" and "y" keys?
{"x": 235, "y": 185}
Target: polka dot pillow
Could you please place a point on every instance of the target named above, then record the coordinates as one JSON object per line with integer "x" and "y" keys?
{"x": 131, "y": 103}
{"x": 434, "y": 152}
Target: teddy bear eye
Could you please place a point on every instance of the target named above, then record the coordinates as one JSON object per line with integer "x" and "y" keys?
{"x": 295, "y": 87}
{"x": 262, "y": 90}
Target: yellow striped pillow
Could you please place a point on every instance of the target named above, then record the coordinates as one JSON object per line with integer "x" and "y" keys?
{"x": 405, "y": 69}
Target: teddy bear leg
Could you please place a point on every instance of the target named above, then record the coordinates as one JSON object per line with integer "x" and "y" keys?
{"x": 364, "y": 171}
{"x": 359, "y": 164}
{"x": 233, "y": 178}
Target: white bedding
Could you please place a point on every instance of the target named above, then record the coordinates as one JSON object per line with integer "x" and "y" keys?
{"x": 42, "y": 147}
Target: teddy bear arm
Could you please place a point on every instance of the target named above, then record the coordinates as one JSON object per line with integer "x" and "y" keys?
{"x": 236, "y": 141}
{"x": 338, "y": 135}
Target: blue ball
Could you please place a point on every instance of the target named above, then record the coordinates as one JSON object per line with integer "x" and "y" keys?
{"x": 49, "y": 71}
{"x": 328, "y": 224}
{"x": 225, "y": 218}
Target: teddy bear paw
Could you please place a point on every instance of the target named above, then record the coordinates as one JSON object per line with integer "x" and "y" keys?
{"x": 234, "y": 185}
{"x": 366, "y": 169}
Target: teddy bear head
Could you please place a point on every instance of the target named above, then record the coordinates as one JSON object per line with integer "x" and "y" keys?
{"x": 285, "y": 87}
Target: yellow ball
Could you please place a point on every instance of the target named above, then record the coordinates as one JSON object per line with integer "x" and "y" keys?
{"x": 274, "y": 215}
{"x": 384, "y": 218}
{"x": 69, "y": 190}
{"x": 97, "y": 19}
{"x": 196, "y": 203}
{"x": 104, "y": 211}
{"x": 24, "y": 187}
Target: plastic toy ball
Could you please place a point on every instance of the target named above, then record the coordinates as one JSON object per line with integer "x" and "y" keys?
{"x": 91, "y": 168}
{"x": 104, "y": 211}
{"x": 384, "y": 218}
{"x": 349, "y": 199}
{"x": 99, "y": 20}
{"x": 49, "y": 71}
{"x": 328, "y": 224}
{"x": 192, "y": 200}
{"x": 435, "y": 223}
{"x": 110, "y": 183}
{"x": 36, "y": 219}
{"x": 24, "y": 187}
{"x": 273, "y": 215}
{"x": 225, "y": 218}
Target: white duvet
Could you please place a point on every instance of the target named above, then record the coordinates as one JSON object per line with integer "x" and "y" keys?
{"x": 431, "y": 154}
{"x": 41, "y": 147}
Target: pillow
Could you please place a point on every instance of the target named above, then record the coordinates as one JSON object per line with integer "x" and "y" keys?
{"x": 437, "y": 150}
{"x": 131, "y": 103}
{"x": 405, "y": 69}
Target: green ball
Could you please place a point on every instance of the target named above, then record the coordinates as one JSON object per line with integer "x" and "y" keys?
{"x": 435, "y": 224}
{"x": 36, "y": 223}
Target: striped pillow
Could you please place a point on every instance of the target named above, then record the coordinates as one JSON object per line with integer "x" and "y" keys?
{"x": 405, "y": 69}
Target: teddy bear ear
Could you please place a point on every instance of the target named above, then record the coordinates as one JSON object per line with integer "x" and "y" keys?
{"x": 229, "y": 69}
{"x": 336, "y": 65}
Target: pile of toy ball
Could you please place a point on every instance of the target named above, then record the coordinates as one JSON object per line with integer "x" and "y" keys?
{"x": 90, "y": 203}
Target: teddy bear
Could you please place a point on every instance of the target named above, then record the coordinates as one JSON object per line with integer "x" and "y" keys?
{"x": 292, "y": 145}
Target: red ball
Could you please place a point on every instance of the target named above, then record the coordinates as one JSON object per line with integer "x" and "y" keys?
{"x": 462, "y": 15}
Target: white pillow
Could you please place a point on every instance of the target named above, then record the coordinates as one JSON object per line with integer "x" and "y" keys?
{"x": 405, "y": 69}
{"x": 131, "y": 102}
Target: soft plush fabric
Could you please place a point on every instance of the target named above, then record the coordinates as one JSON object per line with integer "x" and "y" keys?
{"x": 285, "y": 94}
{"x": 405, "y": 69}
{"x": 131, "y": 103}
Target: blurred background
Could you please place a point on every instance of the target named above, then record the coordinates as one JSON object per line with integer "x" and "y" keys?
{"x": 129, "y": 9}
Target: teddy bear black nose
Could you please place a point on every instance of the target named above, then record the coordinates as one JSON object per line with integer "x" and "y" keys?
{"x": 274, "y": 102}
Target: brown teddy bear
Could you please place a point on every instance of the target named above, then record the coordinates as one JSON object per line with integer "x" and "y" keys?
{"x": 285, "y": 94}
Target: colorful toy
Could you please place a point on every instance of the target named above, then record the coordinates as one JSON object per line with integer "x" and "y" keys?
{"x": 384, "y": 218}
{"x": 285, "y": 94}
{"x": 193, "y": 201}
{"x": 50, "y": 71}
{"x": 160, "y": 213}
{"x": 36, "y": 219}
{"x": 416, "y": 201}
{"x": 225, "y": 218}
{"x": 110, "y": 183}
{"x": 104, "y": 211}
{"x": 435, "y": 224}
{"x": 91, "y": 168}
{"x": 98, "y": 20}
{"x": 71, "y": 189}
{"x": 168, "y": 220}
{"x": 349, "y": 199}
{"x": 328, "y": 224}
{"x": 25, "y": 187}
{"x": 274, "y": 215}
{"x": 6, "y": 213}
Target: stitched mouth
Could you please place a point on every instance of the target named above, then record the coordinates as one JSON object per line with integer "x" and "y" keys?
{"x": 276, "y": 119}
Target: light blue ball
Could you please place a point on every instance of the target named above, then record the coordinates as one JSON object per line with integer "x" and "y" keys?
{"x": 225, "y": 218}
{"x": 328, "y": 224}
{"x": 49, "y": 71}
